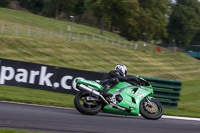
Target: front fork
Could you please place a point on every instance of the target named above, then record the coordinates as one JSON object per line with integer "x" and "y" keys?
{"x": 148, "y": 102}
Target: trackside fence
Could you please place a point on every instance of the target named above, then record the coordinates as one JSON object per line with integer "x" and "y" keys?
{"x": 8, "y": 28}
{"x": 166, "y": 91}
{"x": 15, "y": 29}
{"x": 47, "y": 32}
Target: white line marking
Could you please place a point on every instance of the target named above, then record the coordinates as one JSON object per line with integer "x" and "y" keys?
{"x": 181, "y": 118}
{"x": 37, "y": 105}
{"x": 164, "y": 116}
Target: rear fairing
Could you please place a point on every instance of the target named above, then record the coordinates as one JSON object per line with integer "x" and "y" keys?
{"x": 90, "y": 83}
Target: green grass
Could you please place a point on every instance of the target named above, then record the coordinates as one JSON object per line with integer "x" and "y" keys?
{"x": 16, "y": 131}
{"x": 98, "y": 57}
{"x": 34, "y": 96}
{"x": 189, "y": 102}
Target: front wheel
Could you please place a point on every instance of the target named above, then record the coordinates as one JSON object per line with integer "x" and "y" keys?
{"x": 153, "y": 111}
{"x": 85, "y": 106}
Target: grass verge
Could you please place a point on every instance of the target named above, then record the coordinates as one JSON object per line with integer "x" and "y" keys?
{"x": 16, "y": 131}
{"x": 189, "y": 102}
{"x": 34, "y": 96}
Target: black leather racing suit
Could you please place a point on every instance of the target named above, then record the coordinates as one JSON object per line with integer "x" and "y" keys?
{"x": 112, "y": 78}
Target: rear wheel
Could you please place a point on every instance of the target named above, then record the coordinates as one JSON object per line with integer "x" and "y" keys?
{"x": 85, "y": 106}
{"x": 153, "y": 111}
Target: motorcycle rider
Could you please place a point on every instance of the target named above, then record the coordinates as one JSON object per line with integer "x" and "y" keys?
{"x": 113, "y": 78}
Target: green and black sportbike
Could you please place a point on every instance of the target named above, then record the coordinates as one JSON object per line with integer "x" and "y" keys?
{"x": 128, "y": 98}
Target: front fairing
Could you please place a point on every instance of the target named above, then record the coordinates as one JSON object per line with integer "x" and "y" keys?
{"x": 131, "y": 95}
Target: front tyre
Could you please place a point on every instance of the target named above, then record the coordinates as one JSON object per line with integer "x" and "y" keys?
{"x": 153, "y": 112}
{"x": 86, "y": 107}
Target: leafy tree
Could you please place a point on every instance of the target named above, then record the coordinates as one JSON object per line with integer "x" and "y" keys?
{"x": 118, "y": 13}
{"x": 35, "y": 6}
{"x": 99, "y": 8}
{"x": 55, "y": 7}
{"x": 4, "y": 3}
{"x": 110, "y": 11}
{"x": 160, "y": 9}
{"x": 84, "y": 13}
{"x": 79, "y": 7}
{"x": 196, "y": 39}
{"x": 137, "y": 22}
{"x": 184, "y": 21}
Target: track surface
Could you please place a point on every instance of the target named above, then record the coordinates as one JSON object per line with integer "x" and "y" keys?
{"x": 48, "y": 119}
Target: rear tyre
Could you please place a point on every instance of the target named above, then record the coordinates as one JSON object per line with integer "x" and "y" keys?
{"x": 153, "y": 112}
{"x": 86, "y": 107}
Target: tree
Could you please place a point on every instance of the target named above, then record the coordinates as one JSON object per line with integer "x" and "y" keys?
{"x": 99, "y": 8}
{"x": 110, "y": 11}
{"x": 196, "y": 39}
{"x": 79, "y": 7}
{"x": 4, "y": 3}
{"x": 160, "y": 9}
{"x": 184, "y": 21}
{"x": 116, "y": 13}
{"x": 137, "y": 22}
{"x": 35, "y": 6}
{"x": 55, "y": 7}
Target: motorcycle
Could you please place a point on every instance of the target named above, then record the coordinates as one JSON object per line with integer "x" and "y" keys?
{"x": 128, "y": 98}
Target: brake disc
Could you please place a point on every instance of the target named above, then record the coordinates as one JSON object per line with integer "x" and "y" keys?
{"x": 151, "y": 109}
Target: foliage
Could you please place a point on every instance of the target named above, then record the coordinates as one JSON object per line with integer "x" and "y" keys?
{"x": 79, "y": 7}
{"x": 156, "y": 19}
{"x": 4, "y": 3}
{"x": 184, "y": 21}
{"x": 110, "y": 12}
{"x": 160, "y": 9}
{"x": 138, "y": 22}
{"x": 196, "y": 39}
{"x": 35, "y": 6}
{"x": 53, "y": 8}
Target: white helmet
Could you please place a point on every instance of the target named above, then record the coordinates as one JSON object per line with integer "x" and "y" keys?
{"x": 122, "y": 69}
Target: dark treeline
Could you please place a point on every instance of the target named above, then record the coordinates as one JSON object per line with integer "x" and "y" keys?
{"x": 170, "y": 21}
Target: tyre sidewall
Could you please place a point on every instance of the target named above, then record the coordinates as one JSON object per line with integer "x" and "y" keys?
{"x": 83, "y": 109}
{"x": 150, "y": 116}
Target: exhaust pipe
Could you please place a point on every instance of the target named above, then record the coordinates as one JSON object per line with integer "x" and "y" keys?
{"x": 92, "y": 91}
{"x": 88, "y": 89}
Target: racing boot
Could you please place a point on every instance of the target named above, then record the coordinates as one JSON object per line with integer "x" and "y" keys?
{"x": 104, "y": 92}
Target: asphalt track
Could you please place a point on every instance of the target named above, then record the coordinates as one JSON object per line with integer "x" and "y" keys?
{"x": 61, "y": 120}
